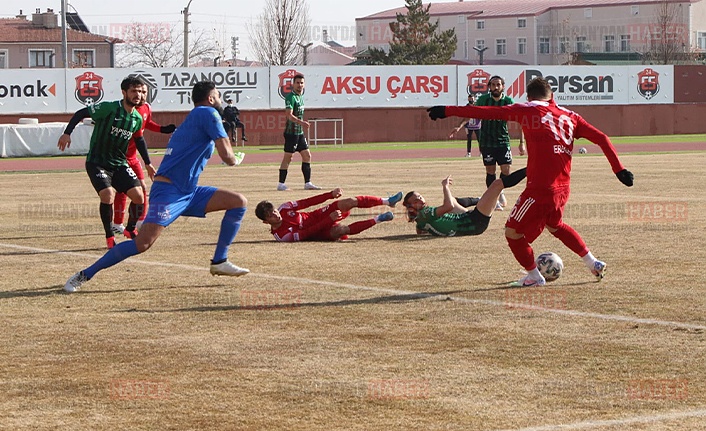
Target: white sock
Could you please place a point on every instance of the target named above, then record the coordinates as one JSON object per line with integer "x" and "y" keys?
{"x": 589, "y": 260}
{"x": 535, "y": 274}
{"x": 385, "y": 201}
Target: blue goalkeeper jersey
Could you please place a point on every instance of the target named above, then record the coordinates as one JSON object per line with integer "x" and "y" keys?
{"x": 191, "y": 146}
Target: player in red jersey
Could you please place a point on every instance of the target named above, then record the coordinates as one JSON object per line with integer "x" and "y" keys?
{"x": 289, "y": 224}
{"x": 549, "y": 131}
{"x": 120, "y": 202}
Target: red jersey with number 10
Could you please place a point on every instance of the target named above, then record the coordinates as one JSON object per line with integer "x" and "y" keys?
{"x": 145, "y": 112}
{"x": 550, "y": 131}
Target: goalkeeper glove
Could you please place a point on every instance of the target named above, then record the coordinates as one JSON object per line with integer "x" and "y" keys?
{"x": 625, "y": 177}
{"x": 436, "y": 112}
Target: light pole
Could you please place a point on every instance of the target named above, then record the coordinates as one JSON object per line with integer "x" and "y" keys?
{"x": 305, "y": 48}
{"x": 185, "y": 63}
{"x": 64, "y": 36}
{"x": 480, "y": 52}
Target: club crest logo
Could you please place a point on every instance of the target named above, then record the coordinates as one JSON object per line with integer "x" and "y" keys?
{"x": 286, "y": 79}
{"x": 478, "y": 82}
{"x": 89, "y": 88}
{"x": 648, "y": 83}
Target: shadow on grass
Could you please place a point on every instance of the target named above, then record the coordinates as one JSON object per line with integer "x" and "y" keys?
{"x": 389, "y": 299}
{"x": 33, "y": 293}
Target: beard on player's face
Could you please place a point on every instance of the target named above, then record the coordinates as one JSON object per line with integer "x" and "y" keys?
{"x": 496, "y": 92}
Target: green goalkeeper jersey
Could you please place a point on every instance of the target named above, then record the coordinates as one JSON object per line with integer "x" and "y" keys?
{"x": 494, "y": 133}
{"x": 112, "y": 133}
{"x": 448, "y": 224}
{"x": 295, "y": 102}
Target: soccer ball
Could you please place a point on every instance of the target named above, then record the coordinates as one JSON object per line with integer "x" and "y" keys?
{"x": 550, "y": 265}
{"x": 583, "y": 150}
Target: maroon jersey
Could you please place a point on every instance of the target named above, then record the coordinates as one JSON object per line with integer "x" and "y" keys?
{"x": 297, "y": 225}
{"x": 550, "y": 131}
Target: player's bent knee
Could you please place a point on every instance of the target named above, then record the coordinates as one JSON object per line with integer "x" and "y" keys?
{"x": 338, "y": 231}
{"x": 511, "y": 233}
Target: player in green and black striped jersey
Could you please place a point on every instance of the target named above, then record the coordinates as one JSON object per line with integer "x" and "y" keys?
{"x": 106, "y": 164}
{"x": 494, "y": 137}
{"x": 294, "y": 140}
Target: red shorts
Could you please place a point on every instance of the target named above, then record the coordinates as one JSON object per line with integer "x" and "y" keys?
{"x": 137, "y": 167}
{"x": 316, "y": 216}
{"x": 536, "y": 209}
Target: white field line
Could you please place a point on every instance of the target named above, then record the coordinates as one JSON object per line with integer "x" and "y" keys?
{"x": 618, "y": 422}
{"x": 565, "y": 312}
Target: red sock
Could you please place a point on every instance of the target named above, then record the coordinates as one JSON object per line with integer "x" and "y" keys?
{"x": 523, "y": 253}
{"x": 119, "y": 205}
{"x": 368, "y": 201}
{"x": 360, "y": 226}
{"x": 571, "y": 239}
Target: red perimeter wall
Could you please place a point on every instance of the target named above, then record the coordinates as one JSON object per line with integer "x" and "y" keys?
{"x": 412, "y": 124}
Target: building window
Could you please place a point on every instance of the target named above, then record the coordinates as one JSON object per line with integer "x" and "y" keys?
{"x": 588, "y": 13}
{"x": 563, "y": 45}
{"x": 461, "y": 19}
{"x": 3, "y": 59}
{"x": 609, "y": 43}
{"x": 500, "y": 46}
{"x": 701, "y": 40}
{"x": 544, "y": 45}
{"x": 634, "y": 10}
{"x": 521, "y": 22}
{"x": 581, "y": 45}
{"x": 480, "y": 24}
{"x": 83, "y": 58}
{"x": 522, "y": 45}
{"x": 480, "y": 44}
{"x": 38, "y": 58}
{"x": 624, "y": 43}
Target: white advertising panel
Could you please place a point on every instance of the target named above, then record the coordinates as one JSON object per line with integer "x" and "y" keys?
{"x": 367, "y": 86}
{"x": 24, "y": 91}
{"x": 169, "y": 89}
{"x": 577, "y": 85}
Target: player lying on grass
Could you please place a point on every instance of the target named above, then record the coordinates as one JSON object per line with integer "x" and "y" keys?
{"x": 550, "y": 131}
{"x": 452, "y": 218}
{"x": 289, "y": 224}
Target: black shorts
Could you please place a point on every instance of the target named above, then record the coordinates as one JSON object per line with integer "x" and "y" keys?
{"x": 499, "y": 155}
{"x": 295, "y": 143}
{"x": 121, "y": 179}
{"x": 474, "y": 223}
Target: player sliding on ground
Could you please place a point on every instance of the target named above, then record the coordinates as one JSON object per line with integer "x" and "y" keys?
{"x": 289, "y": 224}
{"x": 452, "y": 218}
{"x": 550, "y": 131}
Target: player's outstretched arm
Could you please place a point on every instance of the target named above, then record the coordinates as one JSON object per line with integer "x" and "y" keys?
{"x": 65, "y": 139}
{"x": 448, "y": 204}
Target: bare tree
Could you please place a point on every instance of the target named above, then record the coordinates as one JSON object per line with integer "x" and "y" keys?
{"x": 147, "y": 46}
{"x": 668, "y": 36}
{"x": 280, "y": 31}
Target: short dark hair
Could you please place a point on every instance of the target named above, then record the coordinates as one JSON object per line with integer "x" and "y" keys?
{"x": 263, "y": 209}
{"x": 201, "y": 91}
{"x": 406, "y": 198}
{"x": 538, "y": 89}
{"x": 298, "y": 76}
{"x": 502, "y": 81}
{"x": 131, "y": 81}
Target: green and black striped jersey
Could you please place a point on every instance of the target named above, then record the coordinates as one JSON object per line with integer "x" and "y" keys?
{"x": 493, "y": 133}
{"x": 295, "y": 102}
{"x": 112, "y": 133}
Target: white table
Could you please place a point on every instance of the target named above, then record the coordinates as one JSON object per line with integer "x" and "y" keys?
{"x": 27, "y": 140}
